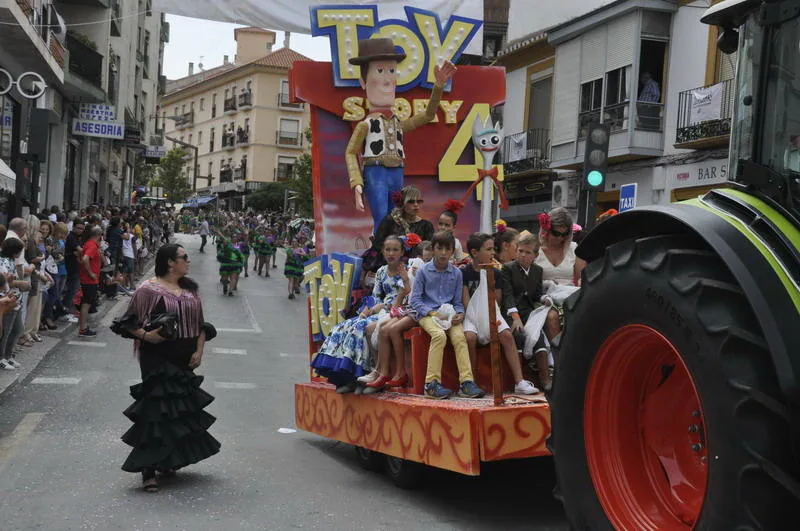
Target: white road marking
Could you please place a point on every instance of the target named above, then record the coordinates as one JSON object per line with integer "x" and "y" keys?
{"x": 251, "y": 315}
{"x": 239, "y": 330}
{"x": 20, "y": 434}
{"x": 239, "y": 351}
{"x": 62, "y": 381}
{"x": 287, "y": 355}
{"x": 87, "y": 344}
{"x": 234, "y": 385}
{"x": 286, "y": 430}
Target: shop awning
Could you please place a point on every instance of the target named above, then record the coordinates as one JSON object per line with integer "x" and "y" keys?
{"x": 8, "y": 179}
{"x": 199, "y": 201}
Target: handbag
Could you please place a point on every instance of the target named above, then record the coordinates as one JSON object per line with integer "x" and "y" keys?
{"x": 50, "y": 265}
{"x": 167, "y": 322}
{"x": 210, "y": 330}
{"x": 124, "y": 326}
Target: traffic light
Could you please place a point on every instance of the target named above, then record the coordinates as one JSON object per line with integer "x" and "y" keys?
{"x": 595, "y": 162}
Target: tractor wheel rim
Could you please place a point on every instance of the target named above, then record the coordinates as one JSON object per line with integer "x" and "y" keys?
{"x": 644, "y": 433}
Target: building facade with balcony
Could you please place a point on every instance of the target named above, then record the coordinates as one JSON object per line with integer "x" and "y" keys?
{"x": 94, "y": 43}
{"x": 635, "y": 65}
{"x": 239, "y": 118}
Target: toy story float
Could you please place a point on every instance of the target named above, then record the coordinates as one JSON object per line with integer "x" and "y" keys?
{"x": 426, "y": 123}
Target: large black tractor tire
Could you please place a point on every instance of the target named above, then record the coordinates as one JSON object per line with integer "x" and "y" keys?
{"x": 674, "y": 285}
{"x": 405, "y": 474}
{"x": 369, "y": 459}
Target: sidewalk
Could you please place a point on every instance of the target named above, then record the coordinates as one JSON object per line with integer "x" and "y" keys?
{"x": 31, "y": 357}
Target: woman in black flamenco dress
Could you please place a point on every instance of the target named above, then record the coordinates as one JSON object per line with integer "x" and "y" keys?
{"x": 169, "y": 424}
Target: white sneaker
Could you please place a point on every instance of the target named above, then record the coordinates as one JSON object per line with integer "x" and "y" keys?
{"x": 14, "y": 363}
{"x": 524, "y": 387}
{"x": 5, "y": 366}
{"x": 72, "y": 319}
{"x": 368, "y": 378}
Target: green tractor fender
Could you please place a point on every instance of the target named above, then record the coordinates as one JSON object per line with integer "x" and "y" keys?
{"x": 760, "y": 246}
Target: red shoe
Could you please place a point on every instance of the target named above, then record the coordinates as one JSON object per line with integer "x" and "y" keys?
{"x": 400, "y": 382}
{"x": 380, "y": 383}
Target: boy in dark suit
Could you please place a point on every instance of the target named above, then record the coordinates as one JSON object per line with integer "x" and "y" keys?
{"x": 522, "y": 291}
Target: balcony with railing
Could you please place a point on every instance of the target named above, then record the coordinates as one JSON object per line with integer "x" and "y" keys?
{"x": 242, "y": 136}
{"x": 185, "y": 120}
{"x": 526, "y": 151}
{"x": 229, "y": 107}
{"x": 226, "y": 174}
{"x": 288, "y": 138}
{"x": 240, "y": 173}
{"x": 636, "y": 127}
{"x": 246, "y": 100}
{"x": 285, "y": 102}
{"x": 228, "y": 141}
{"x": 704, "y": 116}
{"x": 283, "y": 173}
{"x": 85, "y": 61}
{"x": 56, "y": 49}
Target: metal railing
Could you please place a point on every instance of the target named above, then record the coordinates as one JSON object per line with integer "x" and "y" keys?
{"x": 229, "y": 105}
{"x": 287, "y": 138}
{"x": 56, "y": 49}
{"x": 228, "y": 140}
{"x": 185, "y": 119}
{"x": 243, "y": 136}
{"x": 283, "y": 174}
{"x": 246, "y": 99}
{"x": 584, "y": 119}
{"x": 84, "y": 61}
{"x": 226, "y": 175}
{"x": 240, "y": 173}
{"x": 649, "y": 116}
{"x": 285, "y": 101}
{"x": 616, "y": 116}
{"x": 528, "y": 150}
{"x": 690, "y": 129}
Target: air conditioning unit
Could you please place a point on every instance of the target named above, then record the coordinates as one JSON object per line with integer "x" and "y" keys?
{"x": 560, "y": 194}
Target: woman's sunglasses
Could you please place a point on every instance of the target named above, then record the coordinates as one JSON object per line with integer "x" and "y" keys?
{"x": 415, "y": 201}
{"x": 557, "y": 234}
{"x": 182, "y": 257}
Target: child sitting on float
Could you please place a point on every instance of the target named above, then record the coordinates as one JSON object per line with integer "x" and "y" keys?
{"x": 480, "y": 246}
{"x": 345, "y": 354}
{"x": 389, "y": 331}
{"x": 447, "y": 222}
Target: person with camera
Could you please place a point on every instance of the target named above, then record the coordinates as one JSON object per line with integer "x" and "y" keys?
{"x": 166, "y": 320}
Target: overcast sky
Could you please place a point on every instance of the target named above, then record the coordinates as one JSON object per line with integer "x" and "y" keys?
{"x": 195, "y": 40}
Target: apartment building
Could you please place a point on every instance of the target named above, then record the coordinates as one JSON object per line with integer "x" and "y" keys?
{"x": 647, "y": 68}
{"x": 238, "y": 118}
{"x": 91, "y": 56}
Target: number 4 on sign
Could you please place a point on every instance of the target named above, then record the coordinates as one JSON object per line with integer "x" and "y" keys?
{"x": 449, "y": 168}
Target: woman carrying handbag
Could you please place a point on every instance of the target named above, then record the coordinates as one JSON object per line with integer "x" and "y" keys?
{"x": 166, "y": 319}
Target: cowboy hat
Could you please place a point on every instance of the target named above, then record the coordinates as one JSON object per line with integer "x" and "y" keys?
{"x": 380, "y": 49}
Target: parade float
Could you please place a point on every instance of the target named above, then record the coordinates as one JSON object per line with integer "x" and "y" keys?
{"x": 449, "y": 155}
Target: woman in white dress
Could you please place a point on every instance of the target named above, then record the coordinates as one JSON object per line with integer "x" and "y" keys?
{"x": 558, "y": 261}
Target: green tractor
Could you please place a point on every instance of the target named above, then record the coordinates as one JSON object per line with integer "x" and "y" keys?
{"x": 676, "y": 402}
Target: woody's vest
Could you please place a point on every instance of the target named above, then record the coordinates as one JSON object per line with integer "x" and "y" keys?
{"x": 383, "y": 145}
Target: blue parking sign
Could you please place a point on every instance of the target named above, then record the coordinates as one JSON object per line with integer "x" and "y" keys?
{"x": 627, "y": 197}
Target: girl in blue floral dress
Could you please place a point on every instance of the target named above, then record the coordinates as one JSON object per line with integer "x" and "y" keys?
{"x": 345, "y": 355}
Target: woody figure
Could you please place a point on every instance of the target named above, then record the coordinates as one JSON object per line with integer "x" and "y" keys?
{"x": 378, "y": 139}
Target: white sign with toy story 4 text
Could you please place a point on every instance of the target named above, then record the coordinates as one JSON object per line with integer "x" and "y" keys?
{"x": 627, "y": 197}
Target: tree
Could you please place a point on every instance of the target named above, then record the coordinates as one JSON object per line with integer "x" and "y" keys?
{"x": 144, "y": 173}
{"x": 171, "y": 177}
{"x": 301, "y": 183}
{"x": 268, "y": 197}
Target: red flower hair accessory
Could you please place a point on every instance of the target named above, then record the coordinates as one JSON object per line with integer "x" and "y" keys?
{"x": 544, "y": 221}
{"x": 500, "y": 225}
{"x": 453, "y": 205}
{"x": 397, "y": 199}
{"x": 412, "y": 240}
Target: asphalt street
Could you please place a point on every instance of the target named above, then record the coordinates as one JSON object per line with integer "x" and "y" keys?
{"x": 60, "y": 447}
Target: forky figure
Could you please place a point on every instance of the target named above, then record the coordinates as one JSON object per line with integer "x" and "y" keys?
{"x": 487, "y": 138}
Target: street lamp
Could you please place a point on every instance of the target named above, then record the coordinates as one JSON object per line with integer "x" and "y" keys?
{"x": 196, "y": 152}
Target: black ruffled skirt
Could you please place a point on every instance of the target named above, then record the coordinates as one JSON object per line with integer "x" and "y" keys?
{"x": 169, "y": 425}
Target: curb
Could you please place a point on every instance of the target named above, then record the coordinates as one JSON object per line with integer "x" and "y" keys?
{"x": 52, "y": 339}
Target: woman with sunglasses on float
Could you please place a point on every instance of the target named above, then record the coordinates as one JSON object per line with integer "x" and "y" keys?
{"x": 402, "y": 220}
{"x": 169, "y": 424}
{"x": 558, "y": 261}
